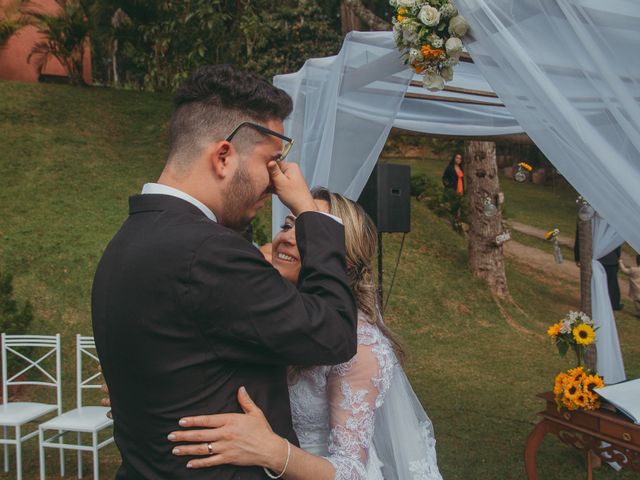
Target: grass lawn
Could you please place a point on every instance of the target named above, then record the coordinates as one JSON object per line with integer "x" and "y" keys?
{"x": 69, "y": 159}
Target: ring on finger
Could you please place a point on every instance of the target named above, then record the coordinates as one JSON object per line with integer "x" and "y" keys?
{"x": 210, "y": 448}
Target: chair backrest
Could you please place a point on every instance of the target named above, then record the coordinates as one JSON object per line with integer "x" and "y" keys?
{"x": 40, "y": 348}
{"x": 86, "y": 351}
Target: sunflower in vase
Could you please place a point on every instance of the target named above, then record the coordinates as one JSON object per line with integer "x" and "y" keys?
{"x": 574, "y": 388}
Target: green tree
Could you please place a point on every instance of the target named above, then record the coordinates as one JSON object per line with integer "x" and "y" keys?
{"x": 279, "y": 39}
{"x": 10, "y": 21}
{"x": 65, "y": 35}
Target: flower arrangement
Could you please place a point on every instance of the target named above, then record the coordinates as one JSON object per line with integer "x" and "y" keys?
{"x": 428, "y": 33}
{"x": 552, "y": 234}
{"x": 526, "y": 166}
{"x": 574, "y": 388}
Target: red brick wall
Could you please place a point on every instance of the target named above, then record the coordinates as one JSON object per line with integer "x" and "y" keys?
{"x": 13, "y": 58}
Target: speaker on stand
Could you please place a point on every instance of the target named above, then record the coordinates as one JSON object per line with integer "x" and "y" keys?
{"x": 387, "y": 200}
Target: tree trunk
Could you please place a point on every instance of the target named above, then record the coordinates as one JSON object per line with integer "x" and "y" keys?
{"x": 585, "y": 255}
{"x": 348, "y": 19}
{"x": 486, "y": 258}
{"x": 367, "y": 16}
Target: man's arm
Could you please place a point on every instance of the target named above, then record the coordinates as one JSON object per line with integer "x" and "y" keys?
{"x": 250, "y": 313}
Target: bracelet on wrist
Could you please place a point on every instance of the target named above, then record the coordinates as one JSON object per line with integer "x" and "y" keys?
{"x": 286, "y": 463}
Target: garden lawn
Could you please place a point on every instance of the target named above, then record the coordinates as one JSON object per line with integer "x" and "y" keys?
{"x": 69, "y": 159}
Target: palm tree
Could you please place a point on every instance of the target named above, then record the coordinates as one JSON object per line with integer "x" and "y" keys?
{"x": 65, "y": 35}
{"x": 10, "y": 21}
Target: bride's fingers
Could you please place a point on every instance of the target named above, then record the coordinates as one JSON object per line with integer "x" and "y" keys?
{"x": 211, "y": 461}
{"x": 199, "y": 449}
{"x": 211, "y": 435}
{"x": 207, "y": 421}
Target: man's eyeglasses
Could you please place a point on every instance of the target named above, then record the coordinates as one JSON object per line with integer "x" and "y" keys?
{"x": 286, "y": 146}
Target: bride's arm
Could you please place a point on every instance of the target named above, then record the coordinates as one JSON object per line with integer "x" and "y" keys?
{"x": 355, "y": 390}
{"x": 246, "y": 440}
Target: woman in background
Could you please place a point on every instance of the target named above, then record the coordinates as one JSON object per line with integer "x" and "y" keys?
{"x": 453, "y": 176}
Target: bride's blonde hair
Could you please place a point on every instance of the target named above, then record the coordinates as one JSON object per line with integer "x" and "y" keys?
{"x": 361, "y": 245}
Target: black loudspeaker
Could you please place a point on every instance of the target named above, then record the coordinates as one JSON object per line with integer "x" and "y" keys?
{"x": 387, "y": 197}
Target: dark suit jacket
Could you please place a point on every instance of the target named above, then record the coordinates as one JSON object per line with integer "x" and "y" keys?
{"x": 185, "y": 311}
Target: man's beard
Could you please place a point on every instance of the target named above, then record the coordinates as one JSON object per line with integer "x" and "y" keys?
{"x": 241, "y": 196}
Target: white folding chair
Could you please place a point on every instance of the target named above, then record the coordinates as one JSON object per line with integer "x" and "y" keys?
{"x": 84, "y": 419}
{"x": 18, "y": 414}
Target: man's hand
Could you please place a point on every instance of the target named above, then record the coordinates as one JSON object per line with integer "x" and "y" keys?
{"x": 106, "y": 401}
{"x": 290, "y": 187}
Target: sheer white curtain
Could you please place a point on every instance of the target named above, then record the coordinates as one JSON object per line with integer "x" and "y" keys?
{"x": 610, "y": 365}
{"x": 344, "y": 107}
{"x": 568, "y": 71}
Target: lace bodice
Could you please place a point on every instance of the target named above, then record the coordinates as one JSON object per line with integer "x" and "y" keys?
{"x": 333, "y": 408}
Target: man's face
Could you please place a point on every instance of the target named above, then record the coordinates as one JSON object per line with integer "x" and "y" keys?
{"x": 250, "y": 185}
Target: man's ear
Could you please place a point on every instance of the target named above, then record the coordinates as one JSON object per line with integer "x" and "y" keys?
{"x": 219, "y": 156}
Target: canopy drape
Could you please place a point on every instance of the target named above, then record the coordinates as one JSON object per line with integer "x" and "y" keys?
{"x": 563, "y": 71}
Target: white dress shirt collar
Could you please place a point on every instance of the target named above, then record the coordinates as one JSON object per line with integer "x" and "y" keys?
{"x": 158, "y": 188}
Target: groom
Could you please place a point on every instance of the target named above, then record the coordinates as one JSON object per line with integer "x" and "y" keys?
{"x": 185, "y": 310}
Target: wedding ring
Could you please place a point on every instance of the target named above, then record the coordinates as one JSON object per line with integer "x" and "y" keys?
{"x": 210, "y": 448}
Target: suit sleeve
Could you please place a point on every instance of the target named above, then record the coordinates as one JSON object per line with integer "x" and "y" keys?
{"x": 249, "y": 313}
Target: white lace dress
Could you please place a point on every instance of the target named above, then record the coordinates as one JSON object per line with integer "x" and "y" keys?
{"x": 334, "y": 413}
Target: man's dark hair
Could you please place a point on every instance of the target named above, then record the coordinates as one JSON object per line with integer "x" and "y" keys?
{"x": 213, "y": 101}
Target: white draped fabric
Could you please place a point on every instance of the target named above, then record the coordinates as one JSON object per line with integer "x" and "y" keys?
{"x": 568, "y": 71}
{"x": 564, "y": 71}
{"x": 345, "y": 106}
{"x": 610, "y": 365}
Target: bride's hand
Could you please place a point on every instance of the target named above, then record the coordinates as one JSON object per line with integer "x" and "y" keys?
{"x": 231, "y": 438}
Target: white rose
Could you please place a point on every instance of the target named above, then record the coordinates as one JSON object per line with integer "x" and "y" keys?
{"x": 409, "y": 33}
{"x": 458, "y": 26}
{"x": 433, "y": 82}
{"x": 415, "y": 55}
{"x": 405, "y": 3}
{"x": 453, "y": 46}
{"x": 429, "y": 16}
{"x": 448, "y": 10}
{"x": 393, "y": 3}
{"x": 447, "y": 73}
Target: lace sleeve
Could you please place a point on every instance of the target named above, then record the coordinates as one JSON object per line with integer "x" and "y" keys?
{"x": 355, "y": 391}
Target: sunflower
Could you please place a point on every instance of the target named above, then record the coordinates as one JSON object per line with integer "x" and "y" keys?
{"x": 558, "y": 387}
{"x": 554, "y": 330}
{"x": 584, "y": 334}
{"x": 576, "y": 374}
{"x": 572, "y": 390}
{"x": 581, "y": 400}
{"x": 590, "y": 382}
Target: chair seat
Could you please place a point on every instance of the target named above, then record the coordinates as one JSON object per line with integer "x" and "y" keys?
{"x": 84, "y": 419}
{"x": 14, "y": 414}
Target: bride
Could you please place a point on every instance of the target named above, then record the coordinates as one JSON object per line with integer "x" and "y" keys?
{"x": 356, "y": 421}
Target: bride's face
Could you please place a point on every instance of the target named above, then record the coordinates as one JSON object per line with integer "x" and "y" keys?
{"x": 285, "y": 253}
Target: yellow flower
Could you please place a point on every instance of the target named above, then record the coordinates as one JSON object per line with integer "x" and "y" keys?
{"x": 590, "y": 382}
{"x": 400, "y": 18}
{"x": 526, "y": 166}
{"x": 419, "y": 68}
{"x": 554, "y": 330}
{"x": 560, "y": 382}
{"x": 402, "y": 11}
{"x": 581, "y": 400}
{"x": 584, "y": 334}
{"x": 572, "y": 390}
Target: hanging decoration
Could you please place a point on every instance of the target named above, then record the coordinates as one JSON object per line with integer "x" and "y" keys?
{"x": 521, "y": 174}
{"x": 585, "y": 211}
{"x": 429, "y": 33}
{"x": 489, "y": 209}
{"x": 552, "y": 236}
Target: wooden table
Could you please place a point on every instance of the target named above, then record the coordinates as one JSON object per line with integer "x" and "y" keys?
{"x": 586, "y": 431}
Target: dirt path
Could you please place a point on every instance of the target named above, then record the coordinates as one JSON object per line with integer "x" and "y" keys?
{"x": 543, "y": 261}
